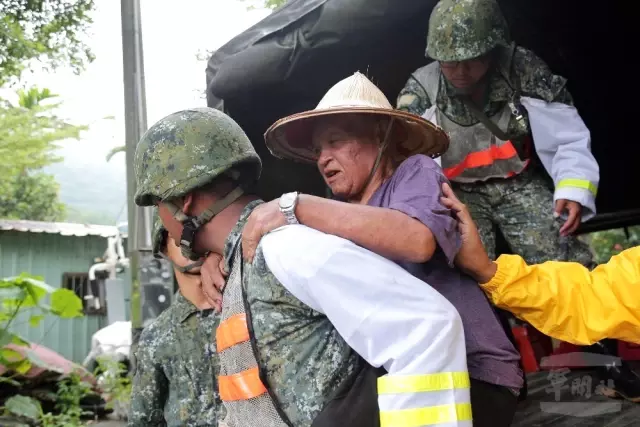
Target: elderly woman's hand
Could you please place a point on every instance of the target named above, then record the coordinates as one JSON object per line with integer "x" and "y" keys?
{"x": 472, "y": 257}
{"x": 213, "y": 276}
{"x": 264, "y": 218}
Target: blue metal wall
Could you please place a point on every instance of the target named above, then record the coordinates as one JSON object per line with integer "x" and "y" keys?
{"x": 50, "y": 256}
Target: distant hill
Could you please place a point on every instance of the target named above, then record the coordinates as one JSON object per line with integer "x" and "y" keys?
{"x": 93, "y": 190}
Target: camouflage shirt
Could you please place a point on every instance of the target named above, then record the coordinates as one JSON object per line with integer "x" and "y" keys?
{"x": 534, "y": 76}
{"x": 303, "y": 356}
{"x": 176, "y": 369}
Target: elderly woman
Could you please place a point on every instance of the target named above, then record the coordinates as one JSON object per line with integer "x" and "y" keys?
{"x": 388, "y": 201}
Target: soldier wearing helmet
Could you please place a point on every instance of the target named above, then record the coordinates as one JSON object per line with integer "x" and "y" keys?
{"x": 300, "y": 336}
{"x": 174, "y": 382}
{"x": 499, "y": 103}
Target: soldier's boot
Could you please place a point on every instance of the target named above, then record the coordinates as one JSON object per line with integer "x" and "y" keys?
{"x": 625, "y": 382}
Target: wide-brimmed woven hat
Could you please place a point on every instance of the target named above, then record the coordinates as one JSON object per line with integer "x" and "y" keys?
{"x": 290, "y": 137}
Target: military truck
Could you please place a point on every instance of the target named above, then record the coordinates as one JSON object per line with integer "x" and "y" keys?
{"x": 287, "y": 61}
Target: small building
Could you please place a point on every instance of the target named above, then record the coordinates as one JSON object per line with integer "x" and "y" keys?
{"x": 62, "y": 254}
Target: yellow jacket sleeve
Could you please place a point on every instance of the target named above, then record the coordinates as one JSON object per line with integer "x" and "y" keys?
{"x": 564, "y": 300}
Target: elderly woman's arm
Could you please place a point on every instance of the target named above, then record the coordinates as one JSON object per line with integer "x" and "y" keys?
{"x": 387, "y": 232}
{"x": 409, "y": 228}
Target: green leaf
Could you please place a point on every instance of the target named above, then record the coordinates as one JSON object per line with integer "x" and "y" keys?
{"x": 5, "y": 337}
{"x": 5, "y": 380}
{"x": 66, "y": 304}
{"x": 23, "y": 406}
{"x": 35, "y": 320}
{"x": 18, "y": 340}
{"x": 11, "y": 357}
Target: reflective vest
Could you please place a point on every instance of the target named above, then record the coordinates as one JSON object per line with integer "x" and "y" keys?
{"x": 475, "y": 153}
{"x": 244, "y": 389}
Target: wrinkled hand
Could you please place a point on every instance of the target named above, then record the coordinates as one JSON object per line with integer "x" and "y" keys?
{"x": 191, "y": 289}
{"x": 472, "y": 257}
{"x": 265, "y": 218}
{"x": 213, "y": 279}
{"x": 574, "y": 211}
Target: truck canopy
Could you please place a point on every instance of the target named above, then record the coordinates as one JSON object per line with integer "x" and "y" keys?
{"x": 286, "y": 62}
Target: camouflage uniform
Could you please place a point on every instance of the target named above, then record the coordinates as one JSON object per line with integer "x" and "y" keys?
{"x": 522, "y": 206}
{"x": 175, "y": 371}
{"x": 303, "y": 357}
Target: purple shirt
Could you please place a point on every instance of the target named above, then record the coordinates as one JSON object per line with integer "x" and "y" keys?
{"x": 415, "y": 189}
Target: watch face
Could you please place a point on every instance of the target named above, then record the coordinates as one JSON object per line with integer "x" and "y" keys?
{"x": 286, "y": 201}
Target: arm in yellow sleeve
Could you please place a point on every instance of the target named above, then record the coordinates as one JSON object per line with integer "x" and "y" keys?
{"x": 566, "y": 301}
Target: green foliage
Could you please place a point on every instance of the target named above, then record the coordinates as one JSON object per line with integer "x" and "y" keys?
{"x": 274, "y": 4}
{"x": 29, "y": 294}
{"x": 71, "y": 390}
{"x": 268, "y": 4}
{"x": 606, "y": 244}
{"x": 114, "y": 382}
{"x": 44, "y": 31}
{"x": 29, "y": 132}
{"x": 22, "y": 293}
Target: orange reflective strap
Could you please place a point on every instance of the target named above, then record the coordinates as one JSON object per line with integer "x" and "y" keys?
{"x": 232, "y": 331}
{"x": 241, "y": 386}
{"x": 482, "y": 158}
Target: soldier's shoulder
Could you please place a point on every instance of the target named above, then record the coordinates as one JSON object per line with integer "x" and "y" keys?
{"x": 160, "y": 329}
{"x": 537, "y": 80}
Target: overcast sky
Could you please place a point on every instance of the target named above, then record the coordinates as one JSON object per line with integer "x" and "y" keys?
{"x": 173, "y": 34}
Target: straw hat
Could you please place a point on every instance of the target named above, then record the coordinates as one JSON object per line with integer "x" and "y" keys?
{"x": 290, "y": 137}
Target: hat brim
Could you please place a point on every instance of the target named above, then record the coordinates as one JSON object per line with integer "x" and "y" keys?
{"x": 290, "y": 137}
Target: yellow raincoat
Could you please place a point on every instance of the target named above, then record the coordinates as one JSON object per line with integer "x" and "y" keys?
{"x": 564, "y": 300}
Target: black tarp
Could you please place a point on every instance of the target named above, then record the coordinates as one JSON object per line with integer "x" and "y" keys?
{"x": 286, "y": 62}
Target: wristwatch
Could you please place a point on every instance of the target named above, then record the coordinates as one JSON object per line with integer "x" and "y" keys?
{"x": 288, "y": 202}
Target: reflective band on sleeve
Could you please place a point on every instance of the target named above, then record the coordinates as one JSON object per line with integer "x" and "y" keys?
{"x": 578, "y": 183}
{"x": 426, "y": 416}
{"x": 482, "y": 158}
{"x": 422, "y": 383}
{"x": 232, "y": 331}
{"x": 241, "y": 386}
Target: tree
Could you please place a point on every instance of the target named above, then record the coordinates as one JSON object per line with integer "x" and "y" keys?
{"x": 274, "y": 4}
{"x": 44, "y": 31}
{"x": 29, "y": 132}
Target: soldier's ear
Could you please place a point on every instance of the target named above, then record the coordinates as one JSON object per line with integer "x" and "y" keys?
{"x": 187, "y": 204}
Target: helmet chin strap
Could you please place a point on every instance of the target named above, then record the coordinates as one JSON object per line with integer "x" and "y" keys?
{"x": 191, "y": 224}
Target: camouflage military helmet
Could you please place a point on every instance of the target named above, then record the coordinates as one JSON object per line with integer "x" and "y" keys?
{"x": 189, "y": 149}
{"x": 465, "y": 29}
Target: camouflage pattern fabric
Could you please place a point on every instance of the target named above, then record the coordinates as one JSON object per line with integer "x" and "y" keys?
{"x": 536, "y": 81}
{"x": 187, "y": 150}
{"x": 465, "y": 29}
{"x": 303, "y": 356}
{"x": 521, "y": 208}
{"x": 175, "y": 374}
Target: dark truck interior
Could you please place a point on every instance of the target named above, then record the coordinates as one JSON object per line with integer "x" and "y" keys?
{"x": 286, "y": 62}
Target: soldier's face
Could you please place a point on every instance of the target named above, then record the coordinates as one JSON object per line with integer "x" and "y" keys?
{"x": 465, "y": 74}
{"x": 346, "y": 151}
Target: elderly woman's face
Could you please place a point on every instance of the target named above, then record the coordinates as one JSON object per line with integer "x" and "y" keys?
{"x": 347, "y": 150}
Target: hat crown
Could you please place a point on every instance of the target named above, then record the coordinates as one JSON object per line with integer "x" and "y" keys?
{"x": 354, "y": 91}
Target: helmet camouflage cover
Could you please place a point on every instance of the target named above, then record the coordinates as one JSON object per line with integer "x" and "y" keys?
{"x": 465, "y": 29}
{"x": 187, "y": 150}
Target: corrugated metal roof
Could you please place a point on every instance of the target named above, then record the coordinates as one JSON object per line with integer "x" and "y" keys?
{"x": 62, "y": 228}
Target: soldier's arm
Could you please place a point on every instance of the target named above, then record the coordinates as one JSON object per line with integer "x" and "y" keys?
{"x": 561, "y": 138}
{"x": 413, "y": 98}
{"x": 150, "y": 387}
